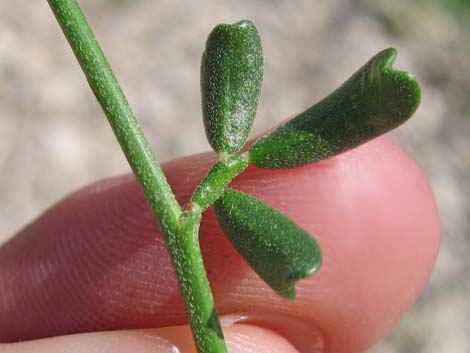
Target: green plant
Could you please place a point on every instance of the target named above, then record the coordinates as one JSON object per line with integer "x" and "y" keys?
{"x": 373, "y": 101}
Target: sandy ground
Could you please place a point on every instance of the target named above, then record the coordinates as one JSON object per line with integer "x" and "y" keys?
{"x": 54, "y": 139}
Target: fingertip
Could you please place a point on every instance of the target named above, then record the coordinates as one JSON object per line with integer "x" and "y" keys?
{"x": 239, "y": 338}
{"x": 97, "y": 261}
{"x": 373, "y": 213}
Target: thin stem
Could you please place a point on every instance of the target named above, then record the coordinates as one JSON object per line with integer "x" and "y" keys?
{"x": 111, "y": 98}
{"x": 220, "y": 175}
{"x": 180, "y": 229}
{"x": 187, "y": 260}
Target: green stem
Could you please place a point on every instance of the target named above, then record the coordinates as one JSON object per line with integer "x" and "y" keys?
{"x": 220, "y": 175}
{"x": 109, "y": 94}
{"x": 180, "y": 229}
{"x": 187, "y": 260}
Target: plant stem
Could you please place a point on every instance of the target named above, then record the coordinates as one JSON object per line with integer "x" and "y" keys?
{"x": 221, "y": 173}
{"x": 111, "y": 98}
{"x": 187, "y": 260}
{"x": 180, "y": 229}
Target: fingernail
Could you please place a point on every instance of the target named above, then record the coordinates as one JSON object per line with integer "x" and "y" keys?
{"x": 231, "y": 319}
{"x": 302, "y": 335}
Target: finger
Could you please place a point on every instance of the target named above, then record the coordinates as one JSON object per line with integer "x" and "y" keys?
{"x": 177, "y": 339}
{"x": 96, "y": 261}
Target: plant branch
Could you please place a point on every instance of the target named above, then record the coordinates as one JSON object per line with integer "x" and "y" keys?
{"x": 220, "y": 175}
{"x": 199, "y": 303}
{"x": 180, "y": 229}
{"x": 120, "y": 116}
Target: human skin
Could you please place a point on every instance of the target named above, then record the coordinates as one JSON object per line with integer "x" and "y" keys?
{"x": 95, "y": 262}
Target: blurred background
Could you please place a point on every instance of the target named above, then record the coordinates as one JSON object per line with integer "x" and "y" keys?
{"x": 54, "y": 138}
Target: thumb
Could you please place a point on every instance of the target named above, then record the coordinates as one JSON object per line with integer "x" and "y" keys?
{"x": 96, "y": 262}
{"x": 240, "y": 338}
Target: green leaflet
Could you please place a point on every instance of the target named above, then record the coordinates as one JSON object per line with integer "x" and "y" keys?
{"x": 376, "y": 99}
{"x": 231, "y": 76}
{"x": 275, "y": 247}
